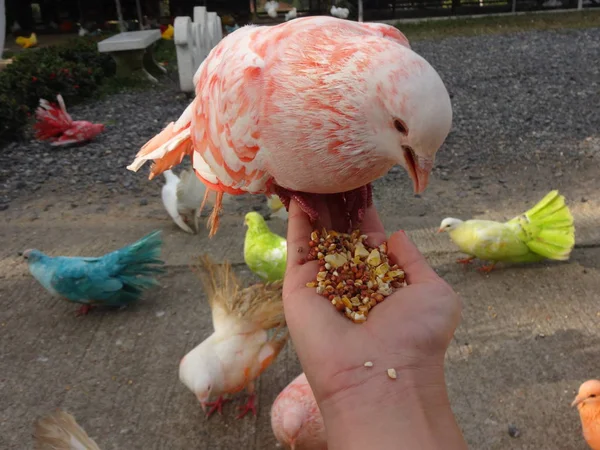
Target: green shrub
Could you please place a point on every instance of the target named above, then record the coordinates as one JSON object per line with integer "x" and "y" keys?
{"x": 75, "y": 70}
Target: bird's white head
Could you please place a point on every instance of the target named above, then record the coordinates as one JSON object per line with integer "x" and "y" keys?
{"x": 449, "y": 224}
{"x": 195, "y": 374}
{"x": 588, "y": 395}
{"x": 410, "y": 113}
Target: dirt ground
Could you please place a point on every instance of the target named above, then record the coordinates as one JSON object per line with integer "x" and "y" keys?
{"x": 529, "y": 335}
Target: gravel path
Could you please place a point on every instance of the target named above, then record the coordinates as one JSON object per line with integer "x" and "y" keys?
{"x": 519, "y": 98}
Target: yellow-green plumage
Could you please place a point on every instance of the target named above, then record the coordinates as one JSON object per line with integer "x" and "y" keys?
{"x": 265, "y": 252}
{"x": 545, "y": 231}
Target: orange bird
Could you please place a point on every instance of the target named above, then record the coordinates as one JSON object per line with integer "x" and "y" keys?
{"x": 311, "y": 107}
{"x": 240, "y": 348}
{"x": 588, "y": 404}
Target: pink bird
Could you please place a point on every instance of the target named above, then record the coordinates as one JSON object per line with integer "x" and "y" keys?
{"x": 54, "y": 124}
{"x": 296, "y": 419}
{"x": 313, "y": 106}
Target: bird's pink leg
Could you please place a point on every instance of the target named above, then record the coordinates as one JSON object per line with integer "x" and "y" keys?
{"x": 216, "y": 405}
{"x": 248, "y": 406}
{"x": 83, "y": 310}
{"x": 487, "y": 268}
{"x": 355, "y": 202}
{"x": 467, "y": 260}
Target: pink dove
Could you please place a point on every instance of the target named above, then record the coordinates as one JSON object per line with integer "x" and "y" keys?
{"x": 54, "y": 124}
{"x": 296, "y": 419}
{"x": 311, "y": 107}
{"x": 240, "y": 348}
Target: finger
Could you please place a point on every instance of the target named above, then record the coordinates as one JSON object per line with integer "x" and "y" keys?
{"x": 404, "y": 253}
{"x": 372, "y": 227}
{"x": 298, "y": 235}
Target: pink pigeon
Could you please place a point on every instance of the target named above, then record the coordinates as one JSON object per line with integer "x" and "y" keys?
{"x": 313, "y": 107}
{"x": 296, "y": 419}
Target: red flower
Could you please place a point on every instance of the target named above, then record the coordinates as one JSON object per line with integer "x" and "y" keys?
{"x": 34, "y": 79}
{"x": 66, "y": 70}
{"x": 52, "y": 76}
{"x": 76, "y": 86}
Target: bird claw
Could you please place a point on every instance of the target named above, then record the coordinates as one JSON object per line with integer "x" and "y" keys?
{"x": 83, "y": 310}
{"x": 465, "y": 260}
{"x": 216, "y": 406}
{"x": 249, "y": 406}
{"x": 487, "y": 268}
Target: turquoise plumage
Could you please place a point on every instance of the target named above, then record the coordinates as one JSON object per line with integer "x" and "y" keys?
{"x": 115, "y": 279}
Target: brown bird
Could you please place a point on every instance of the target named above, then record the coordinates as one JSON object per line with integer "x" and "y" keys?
{"x": 588, "y": 404}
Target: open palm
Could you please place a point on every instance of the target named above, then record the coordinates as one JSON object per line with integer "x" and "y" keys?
{"x": 409, "y": 331}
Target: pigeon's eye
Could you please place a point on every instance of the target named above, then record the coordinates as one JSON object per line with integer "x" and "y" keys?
{"x": 592, "y": 396}
{"x": 400, "y": 126}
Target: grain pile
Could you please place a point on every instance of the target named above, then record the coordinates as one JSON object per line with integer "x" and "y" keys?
{"x": 354, "y": 276}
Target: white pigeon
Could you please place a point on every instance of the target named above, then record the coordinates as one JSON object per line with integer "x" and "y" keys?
{"x": 240, "y": 347}
{"x": 277, "y": 208}
{"x": 291, "y": 14}
{"x": 271, "y": 7}
{"x": 60, "y": 431}
{"x": 340, "y": 13}
{"x": 183, "y": 196}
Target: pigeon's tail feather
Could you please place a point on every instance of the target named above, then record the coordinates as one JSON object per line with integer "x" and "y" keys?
{"x": 60, "y": 431}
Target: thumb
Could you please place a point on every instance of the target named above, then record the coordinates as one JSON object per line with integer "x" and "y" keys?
{"x": 404, "y": 253}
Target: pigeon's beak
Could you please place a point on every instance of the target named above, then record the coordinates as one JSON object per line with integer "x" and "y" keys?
{"x": 419, "y": 169}
{"x": 25, "y": 254}
{"x": 578, "y": 400}
{"x": 440, "y": 230}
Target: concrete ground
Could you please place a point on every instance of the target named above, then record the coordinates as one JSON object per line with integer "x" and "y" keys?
{"x": 528, "y": 338}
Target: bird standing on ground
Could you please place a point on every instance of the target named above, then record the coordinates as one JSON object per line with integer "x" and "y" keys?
{"x": 27, "y": 42}
{"x": 115, "y": 279}
{"x": 182, "y": 197}
{"x": 277, "y": 207}
{"x": 588, "y": 404}
{"x": 296, "y": 419}
{"x": 265, "y": 252}
{"x": 54, "y": 124}
{"x": 545, "y": 231}
{"x": 341, "y": 13}
{"x": 60, "y": 431}
{"x": 291, "y": 14}
{"x": 313, "y": 109}
{"x": 240, "y": 347}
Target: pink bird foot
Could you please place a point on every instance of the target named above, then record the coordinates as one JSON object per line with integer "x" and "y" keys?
{"x": 249, "y": 406}
{"x": 355, "y": 202}
{"x": 487, "y": 268}
{"x": 465, "y": 260}
{"x": 216, "y": 406}
{"x": 83, "y": 310}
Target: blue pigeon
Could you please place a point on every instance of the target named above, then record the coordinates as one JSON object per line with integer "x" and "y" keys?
{"x": 115, "y": 279}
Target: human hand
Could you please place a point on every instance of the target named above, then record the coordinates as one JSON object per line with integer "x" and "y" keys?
{"x": 409, "y": 331}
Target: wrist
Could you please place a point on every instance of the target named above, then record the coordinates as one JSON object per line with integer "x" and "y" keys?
{"x": 411, "y": 411}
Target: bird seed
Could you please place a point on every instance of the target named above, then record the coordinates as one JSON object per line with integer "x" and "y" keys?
{"x": 354, "y": 276}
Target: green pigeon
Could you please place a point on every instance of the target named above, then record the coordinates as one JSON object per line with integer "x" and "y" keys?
{"x": 265, "y": 252}
{"x": 545, "y": 231}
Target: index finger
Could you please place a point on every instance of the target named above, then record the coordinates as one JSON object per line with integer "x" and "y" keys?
{"x": 298, "y": 235}
{"x": 404, "y": 253}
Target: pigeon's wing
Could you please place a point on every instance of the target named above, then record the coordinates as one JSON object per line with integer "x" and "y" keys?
{"x": 60, "y": 431}
{"x": 170, "y": 202}
{"x": 496, "y": 241}
{"x": 84, "y": 279}
{"x": 190, "y": 190}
